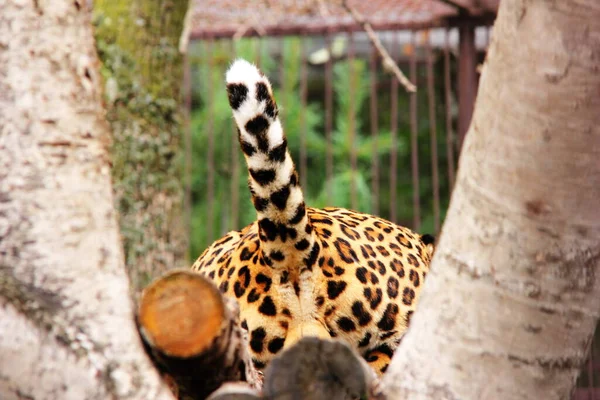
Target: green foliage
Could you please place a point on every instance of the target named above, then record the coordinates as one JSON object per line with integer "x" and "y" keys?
{"x": 351, "y": 86}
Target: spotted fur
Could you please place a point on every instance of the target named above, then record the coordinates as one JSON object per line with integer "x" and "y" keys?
{"x": 299, "y": 271}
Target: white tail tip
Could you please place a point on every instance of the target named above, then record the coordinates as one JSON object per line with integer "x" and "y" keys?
{"x": 241, "y": 71}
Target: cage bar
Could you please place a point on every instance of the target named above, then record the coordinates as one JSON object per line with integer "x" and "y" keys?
{"x": 374, "y": 132}
{"x": 210, "y": 148}
{"x": 394, "y": 134}
{"x": 450, "y": 141}
{"x": 352, "y": 123}
{"x": 414, "y": 149}
{"x": 467, "y": 77}
{"x": 328, "y": 119}
{"x": 433, "y": 135}
{"x": 303, "y": 102}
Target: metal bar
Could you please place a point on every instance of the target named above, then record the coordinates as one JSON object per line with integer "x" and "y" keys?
{"x": 303, "y": 102}
{"x": 374, "y": 133}
{"x": 187, "y": 140}
{"x": 282, "y": 79}
{"x": 474, "y": 7}
{"x": 259, "y": 49}
{"x": 394, "y": 134}
{"x": 452, "y": 19}
{"x": 329, "y": 121}
{"x": 448, "y": 99}
{"x": 433, "y": 137}
{"x": 352, "y": 123}
{"x": 210, "y": 148}
{"x": 321, "y": 28}
{"x": 235, "y": 174}
{"x": 467, "y": 77}
{"x": 414, "y": 149}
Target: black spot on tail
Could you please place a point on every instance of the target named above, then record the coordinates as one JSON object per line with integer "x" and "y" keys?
{"x": 262, "y": 92}
{"x": 257, "y": 125}
{"x": 280, "y": 197}
{"x": 277, "y": 255}
{"x": 302, "y": 245}
{"x": 278, "y": 153}
{"x": 268, "y": 228}
{"x": 260, "y": 203}
{"x": 247, "y": 148}
{"x": 237, "y": 93}
{"x": 427, "y": 239}
{"x": 263, "y": 176}
{"x": 299, "y": 215}
{"x": 312, "y": 256}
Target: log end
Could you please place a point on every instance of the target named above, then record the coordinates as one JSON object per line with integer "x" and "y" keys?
{"x": 181, "y": 313}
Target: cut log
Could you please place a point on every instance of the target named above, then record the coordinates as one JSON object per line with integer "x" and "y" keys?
{"x": 193, "y": 334}
{"x": 319, "y": 369}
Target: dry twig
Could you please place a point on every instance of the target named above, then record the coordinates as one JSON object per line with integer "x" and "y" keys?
{"x": 388, "y": 63}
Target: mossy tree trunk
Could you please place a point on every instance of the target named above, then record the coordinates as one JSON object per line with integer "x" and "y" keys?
{"x": 66, "y": 326}
{"x": 143, "y": 71}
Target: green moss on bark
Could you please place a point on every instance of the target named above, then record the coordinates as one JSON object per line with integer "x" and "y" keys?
{"x": 142, "y": 69}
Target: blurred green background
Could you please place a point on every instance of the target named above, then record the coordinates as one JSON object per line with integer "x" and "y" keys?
{"x": 211, "y": 115}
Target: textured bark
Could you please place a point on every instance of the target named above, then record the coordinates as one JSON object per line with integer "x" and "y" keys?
{"x": 193, "y": 335}
{"x": 143, "y": 73}
{"x": 510, "y": 306}
{"x": 66, "y": 320}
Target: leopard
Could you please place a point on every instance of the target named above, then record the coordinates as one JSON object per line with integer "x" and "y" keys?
{"x": 299, "y": 271}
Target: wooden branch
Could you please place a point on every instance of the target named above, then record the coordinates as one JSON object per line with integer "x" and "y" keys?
{"x": 192, "y": 334}
{"x": 388, "y": 62}
{"x": 184, "y": 38}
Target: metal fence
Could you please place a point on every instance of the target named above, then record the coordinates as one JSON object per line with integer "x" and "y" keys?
{"x": 398, "y": 149}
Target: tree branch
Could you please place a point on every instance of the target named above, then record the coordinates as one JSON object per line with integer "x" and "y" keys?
{"x": 388, "y": 62}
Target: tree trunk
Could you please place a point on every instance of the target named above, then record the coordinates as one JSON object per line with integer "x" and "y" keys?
{"x": 510, "y": 306}
{"x": 66, "y": 323}
{"x": 143, "y": 73}
{"x": 193, "y": 334}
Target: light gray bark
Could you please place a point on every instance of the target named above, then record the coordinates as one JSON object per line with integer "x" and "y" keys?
{"x": 66, "y": 319}
{"x": 512, "y": 300}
